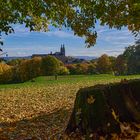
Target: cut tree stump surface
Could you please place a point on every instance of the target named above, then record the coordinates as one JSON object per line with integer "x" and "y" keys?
{"x": 101, "y": 108}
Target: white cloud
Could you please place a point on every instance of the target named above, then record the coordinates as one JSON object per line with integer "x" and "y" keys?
{"x": 60, "y": 34}
{"x": 94, "y": 51}
{"x": 29, "y": 50}
{"x": 118, "y": 38}
{"x": 20, "y": 29}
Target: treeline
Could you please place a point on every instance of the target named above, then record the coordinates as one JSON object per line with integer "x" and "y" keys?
{"x": 129, "y": 62}
{"x": 103, "y": 65}
{"x": 99, "y": 66}
{"x": 17, "y": 71}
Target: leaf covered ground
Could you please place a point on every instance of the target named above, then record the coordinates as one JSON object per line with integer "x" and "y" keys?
{"x": 40, "y": 110}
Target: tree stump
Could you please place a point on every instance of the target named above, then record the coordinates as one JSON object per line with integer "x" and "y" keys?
{"x": 101, "y": 108}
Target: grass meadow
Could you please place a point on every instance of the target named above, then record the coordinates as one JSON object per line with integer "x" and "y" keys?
{"x": 41, "y": 109}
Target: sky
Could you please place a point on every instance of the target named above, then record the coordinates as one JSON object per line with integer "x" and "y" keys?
{"x": 25, "y": 43}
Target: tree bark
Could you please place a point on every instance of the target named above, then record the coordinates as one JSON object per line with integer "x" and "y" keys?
{"x": 101, "y": 108}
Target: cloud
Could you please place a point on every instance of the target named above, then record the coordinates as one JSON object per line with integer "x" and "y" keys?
{"x": 28, "y": 50}
{"x": 60, "y": 34}
{"x": 94, "y": 51}
{"x": 21, "y": 29}
{"x": 118, "y": 38}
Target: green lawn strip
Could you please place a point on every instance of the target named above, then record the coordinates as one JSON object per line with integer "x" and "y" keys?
{"x": 50, "y": 80}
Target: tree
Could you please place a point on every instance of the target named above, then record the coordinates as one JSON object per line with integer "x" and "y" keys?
{"x": 92, "y": 68}
{"x": 72, "y": 68}
{"x": 35, "y": 67}
{"x": 81, "y": 68}
{"x": 80, "y": 16}
{"x": 104, "y": 64}
{"x": 63, "y": 71}
{"x": 4, "y": 67}
{"x": 14, "y": 62}
{"x": 112, "y": 60}
{"x": 51, "y": 65}
{"x": 121, "y": 65}
{"x": 6, "y": 73}
{"x": 132, "y": 56}
{"x": 23, "y": 71}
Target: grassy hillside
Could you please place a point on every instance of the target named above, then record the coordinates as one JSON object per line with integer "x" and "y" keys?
{"x": 42, "y": 108}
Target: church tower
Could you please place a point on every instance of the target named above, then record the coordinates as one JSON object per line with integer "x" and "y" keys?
{"x": 62, "y": 49}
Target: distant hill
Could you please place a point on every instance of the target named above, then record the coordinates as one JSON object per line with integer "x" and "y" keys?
{"x": 86, "y": 57}
{"x": 15, "y": 57}
{"x": 28, "y": 57}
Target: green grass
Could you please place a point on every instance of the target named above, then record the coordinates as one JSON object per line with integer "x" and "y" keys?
{"x": 69, "y": 79}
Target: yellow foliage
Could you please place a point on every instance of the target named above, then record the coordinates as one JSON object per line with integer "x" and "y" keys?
{"x": 90, "y": 100}
{"x": 138, "y": 137}
{"x": 79, "y": 111}
{"x": 6, "y": 73}
{"x": 4, "y": 67}
{"x": 115, "y": 116}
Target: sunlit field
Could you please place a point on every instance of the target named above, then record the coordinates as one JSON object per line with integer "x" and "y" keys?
{"x": 40, "y": 109}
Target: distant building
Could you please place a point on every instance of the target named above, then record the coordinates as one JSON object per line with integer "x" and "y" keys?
{"x": 61, "y": 55}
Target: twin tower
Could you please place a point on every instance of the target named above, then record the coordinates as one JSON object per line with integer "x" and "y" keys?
{"x": 62, "y": 49}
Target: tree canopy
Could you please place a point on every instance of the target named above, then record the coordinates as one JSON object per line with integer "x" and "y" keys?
{"x": 78, "y": 15}
{"x": 104, "y": 64}
{"x": 132, "y": 57}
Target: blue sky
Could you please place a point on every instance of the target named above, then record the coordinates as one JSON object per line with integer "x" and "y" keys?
{"x": 25, "y": 43}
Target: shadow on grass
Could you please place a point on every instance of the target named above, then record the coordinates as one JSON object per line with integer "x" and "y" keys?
{"x": 42, "y": 127}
